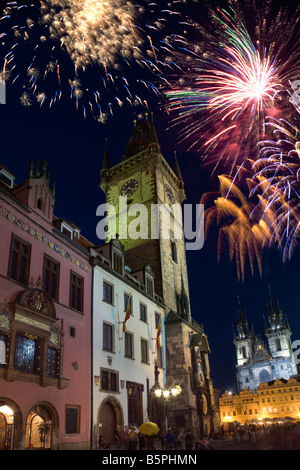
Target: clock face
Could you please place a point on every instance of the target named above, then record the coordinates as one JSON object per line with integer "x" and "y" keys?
{"x": 170, "y": 194}
{"x": 129, "y": 187}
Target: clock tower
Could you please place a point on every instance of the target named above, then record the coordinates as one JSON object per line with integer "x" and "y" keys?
{"x": 136, "y": 190}
{"x": 146, "y": 194}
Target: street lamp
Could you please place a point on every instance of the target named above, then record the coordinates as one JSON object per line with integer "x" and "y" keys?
{"x": 165, "y": 395}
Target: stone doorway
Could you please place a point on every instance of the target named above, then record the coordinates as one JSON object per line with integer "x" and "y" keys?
{"x": 10, "y": 425}
{"x": 110, "y": 415}
{"x": 41, "y": 427}
{"x": 6, "y": 428}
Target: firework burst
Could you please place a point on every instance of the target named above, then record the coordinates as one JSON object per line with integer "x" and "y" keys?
{"x": 242, "y": 223}
{"x": 230, "y": 84}
{"x": 101, "y": 54}
{"x": 277, "y": 176}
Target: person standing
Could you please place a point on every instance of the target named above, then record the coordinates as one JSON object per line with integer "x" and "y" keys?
{"x": 181, "y": 440}
{"x": 117, "y": 437}
{"x": 169, "y": 439}
{"x": 189, "y": 440}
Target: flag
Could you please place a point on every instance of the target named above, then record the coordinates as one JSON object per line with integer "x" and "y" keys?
{"x": 158, "y": 336}
{"x": 127, "y": 316}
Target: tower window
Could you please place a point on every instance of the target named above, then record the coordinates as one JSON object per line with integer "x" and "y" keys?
{"x": 278, "y": 344}
{"x": 118, "y": 263}
{"x": 149, "y": 286}
{"x": 39, "y": 204}
{"x": 174, "y": 251}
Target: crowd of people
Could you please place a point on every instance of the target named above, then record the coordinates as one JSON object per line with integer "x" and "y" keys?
{"x": 131, "y": 439}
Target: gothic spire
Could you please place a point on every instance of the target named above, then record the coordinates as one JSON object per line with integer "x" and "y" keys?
{"x": 143, "y": 138}
{"x": 242, "y": 322}
{"x": 274, "y": 314}
{"x": 106, "y": 160}
{"x": 176, "y": 168}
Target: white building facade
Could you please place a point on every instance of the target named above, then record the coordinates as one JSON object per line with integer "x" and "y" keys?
{"x": 123, "y": 358}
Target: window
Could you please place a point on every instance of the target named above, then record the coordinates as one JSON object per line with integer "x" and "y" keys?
{"x": 76, "y": 292}
{"x": 174, "y": 251}
{"x": 109, "y": 380}
{"x": 51, "y": 277}
{"x": 143, "y": 312}
{"x": 66, "y": 232}
{"x": 128, "y": 344}
{"x": 118, "y": 263}
{"x": 144, "y": 350}
{"x": 19, "y": 260}
{"x": 157, "y": 319}
{"x": 3, "y": 350}
{"x": 107, "y": 292}
{"x": 107, "y": 337}
{"x": 72, "y": 419}
{"x": 52, "y": 362}
{"x": 149, "y": 286}
{"x": 126, "y": 300}
{"x": 26, "y": 353}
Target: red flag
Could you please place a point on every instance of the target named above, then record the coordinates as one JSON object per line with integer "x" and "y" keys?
{"x": 127, "y": 316}
{"x": 158, "y": 336}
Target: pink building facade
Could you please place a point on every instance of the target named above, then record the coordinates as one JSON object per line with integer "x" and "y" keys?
{"x": 45, "y": 320}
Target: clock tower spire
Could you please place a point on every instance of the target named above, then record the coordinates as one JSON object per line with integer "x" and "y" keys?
{"x": 145, "y": 178}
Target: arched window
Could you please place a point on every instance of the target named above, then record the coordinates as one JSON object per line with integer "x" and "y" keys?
{"x": 40, "y": 204}
{"x": 278, "y": 344}
{"x": 264, "y": 376}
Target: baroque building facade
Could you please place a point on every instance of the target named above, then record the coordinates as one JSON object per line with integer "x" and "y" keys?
{"x": 45, "y": 319}
{"x": 259, "y": 362}
{"x": 143, "y": 183}
{"x": 277, "y": 401}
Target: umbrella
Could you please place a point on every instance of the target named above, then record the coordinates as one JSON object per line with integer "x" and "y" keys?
{"x": 149, "y": 429}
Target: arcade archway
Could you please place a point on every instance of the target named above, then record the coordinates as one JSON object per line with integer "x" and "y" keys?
{"x": 10, "y": 425}
{"x": 41, "y": 427}
{"x": 110, "y": 415}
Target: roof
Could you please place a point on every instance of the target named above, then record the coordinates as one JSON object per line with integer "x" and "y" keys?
{"x": 142, "y": 137}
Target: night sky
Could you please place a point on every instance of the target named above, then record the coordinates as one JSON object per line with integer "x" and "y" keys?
{"x": 74, "y": 147}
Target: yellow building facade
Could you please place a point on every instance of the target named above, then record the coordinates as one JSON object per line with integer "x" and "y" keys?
{"x": 274, "y": 401}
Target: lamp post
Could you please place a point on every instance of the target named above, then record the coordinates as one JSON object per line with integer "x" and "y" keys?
{"x": 161, "y": 397}
{"x": 165, "y": 395}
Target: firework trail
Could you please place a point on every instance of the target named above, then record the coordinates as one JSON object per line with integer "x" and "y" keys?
{"x": 242, "y": 223}
{"x": 99, "y": 53}
{"x": 231, "y": 77}
{"x": 277, "y": 177}
{"x": 259, "y": 207}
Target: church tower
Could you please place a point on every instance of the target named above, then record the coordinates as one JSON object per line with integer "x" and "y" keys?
{"x": 278, "y": 332}
{"x": 258, "y": 362}
{"x": 244, "y": 339}
{"x": 146, "y": 194}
